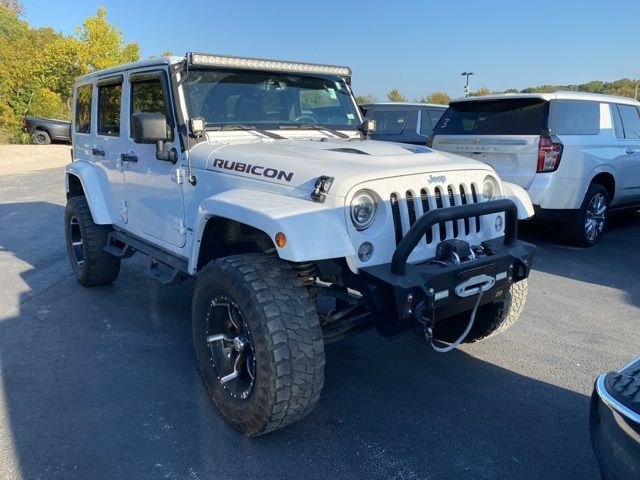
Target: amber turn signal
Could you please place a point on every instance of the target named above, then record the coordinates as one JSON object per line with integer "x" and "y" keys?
{"x": 281, "y": 239}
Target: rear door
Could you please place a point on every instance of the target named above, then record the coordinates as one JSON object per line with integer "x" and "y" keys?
{"x": 630, "y": 181}
{"x": 504, "y": 133}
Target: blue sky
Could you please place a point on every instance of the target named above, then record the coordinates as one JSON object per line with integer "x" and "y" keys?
{"x": 415, "y": 46}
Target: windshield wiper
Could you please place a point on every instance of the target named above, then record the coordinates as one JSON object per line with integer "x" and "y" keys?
{"x": 314, "y": 126}
{"x": 244, "y": 128}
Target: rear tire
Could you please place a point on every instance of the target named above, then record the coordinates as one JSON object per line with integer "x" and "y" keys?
{"x": 491, "y": 318}
{"x": 40, "y": 137}
{"x": 587, "y": 227}
{"x": 254, "y": 308}
{"x": 85, "y": 245}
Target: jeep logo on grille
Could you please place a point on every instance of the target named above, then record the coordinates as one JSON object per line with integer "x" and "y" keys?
{"x": 436, "y": 179}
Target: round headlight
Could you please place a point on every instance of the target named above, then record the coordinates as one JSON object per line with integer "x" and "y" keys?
{"x": 363, "y": 209}
{"x": 490, "y": 188}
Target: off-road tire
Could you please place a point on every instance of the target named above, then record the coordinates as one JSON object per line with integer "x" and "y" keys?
{"x": 40, "y": 137}
{"x": 491, "y": 318}
{"x": 97, "y": 267}
{"x": 575, "y": 230}
{"x": 285, "y": 334}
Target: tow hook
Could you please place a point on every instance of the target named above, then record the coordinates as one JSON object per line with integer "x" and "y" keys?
{"x": 426, "y": 316}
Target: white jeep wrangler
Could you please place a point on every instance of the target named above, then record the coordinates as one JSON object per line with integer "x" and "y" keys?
{"x": 256, "y": 178}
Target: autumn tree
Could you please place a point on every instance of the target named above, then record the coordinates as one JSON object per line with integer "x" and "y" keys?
{"x": 480, "y": 91}
{"x": 364, "y": 99}
{"x": 395, "y": 96}
{"x": 439, "y": 98}
{"x": 38, "y": 66}
{"x": 103, "y": 45}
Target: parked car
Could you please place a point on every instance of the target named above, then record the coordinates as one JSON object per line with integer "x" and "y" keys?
{"x": 615, "y": 423}
{"x": 257, "y": 179}
{"x": 42, "y": 131}
{"x": 403, "y": 122}
{"x": 576, "y": 154}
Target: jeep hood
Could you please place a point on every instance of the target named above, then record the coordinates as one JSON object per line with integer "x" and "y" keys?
{"x": 298, "y": 163}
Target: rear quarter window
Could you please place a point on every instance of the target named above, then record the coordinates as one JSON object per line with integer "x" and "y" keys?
{"x": 522, "y": 116}
{"x": 389, "y": 121}
{"x": 574, "y": 117}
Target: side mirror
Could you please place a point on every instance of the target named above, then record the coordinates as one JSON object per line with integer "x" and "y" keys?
{"x": 149, "y": 127}
{"x": 368, "y": 126}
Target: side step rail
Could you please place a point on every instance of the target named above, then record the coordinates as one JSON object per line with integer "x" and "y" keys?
{"x": 163, "y": 266}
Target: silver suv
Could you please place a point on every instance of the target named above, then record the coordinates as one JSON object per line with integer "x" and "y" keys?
{"x": 576, "y": 154}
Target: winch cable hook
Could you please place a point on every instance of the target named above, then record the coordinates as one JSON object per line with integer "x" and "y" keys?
{"x": 429, "y": 322}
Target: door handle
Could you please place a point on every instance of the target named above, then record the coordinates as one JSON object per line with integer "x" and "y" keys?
{"x": 630, "y": 151}
{"x": 126, "y": 157}
{"x": 97, "y": 152}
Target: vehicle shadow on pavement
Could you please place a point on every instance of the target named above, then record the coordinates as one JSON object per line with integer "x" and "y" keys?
{"x": 103, "y": 383}
{"x": 613, "y": 262}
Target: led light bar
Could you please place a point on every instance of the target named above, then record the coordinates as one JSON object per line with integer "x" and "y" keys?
{"x": 264, "y": 64}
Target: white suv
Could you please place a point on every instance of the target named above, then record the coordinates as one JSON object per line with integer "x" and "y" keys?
{"x": 256, "y": 178}
{"x": 576, "y": 154}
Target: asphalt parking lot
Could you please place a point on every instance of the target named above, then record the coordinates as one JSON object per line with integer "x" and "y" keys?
{"x": 103, "y": 383}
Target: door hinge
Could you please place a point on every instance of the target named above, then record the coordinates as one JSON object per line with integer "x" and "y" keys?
{"x": 178, "y": 176}
{"x": 181, "y": 227}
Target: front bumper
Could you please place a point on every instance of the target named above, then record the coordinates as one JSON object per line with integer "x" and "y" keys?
{"x": 615, "y": 422}
{"x": 395, "y": 289}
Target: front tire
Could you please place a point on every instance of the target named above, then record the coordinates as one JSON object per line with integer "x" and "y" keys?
{"x": 85, "y": 245}
{"x": 491, "y": 318}
{"x": 258, "y": 342}
{"x": 587, "y": 227}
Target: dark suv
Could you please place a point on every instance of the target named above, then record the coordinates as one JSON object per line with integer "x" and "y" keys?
{"x": 403, "y": 122}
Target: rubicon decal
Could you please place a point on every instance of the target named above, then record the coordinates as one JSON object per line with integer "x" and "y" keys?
{"x": 257, "y": 170}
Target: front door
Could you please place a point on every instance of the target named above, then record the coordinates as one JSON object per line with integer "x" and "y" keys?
{"x": 153, "y": 187}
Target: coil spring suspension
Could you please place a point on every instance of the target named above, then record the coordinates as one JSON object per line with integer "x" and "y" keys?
{"x": 307, "y": 271}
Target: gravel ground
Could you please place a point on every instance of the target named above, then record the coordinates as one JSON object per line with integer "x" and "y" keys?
{"x": 102, "y": 382}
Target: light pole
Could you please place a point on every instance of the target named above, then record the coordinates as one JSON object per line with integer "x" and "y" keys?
{"x": 466, "y": 87}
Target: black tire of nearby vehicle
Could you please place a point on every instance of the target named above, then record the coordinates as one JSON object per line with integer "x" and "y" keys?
{"x": 576, "y": 228}
{"x": 40, "y": 137}
{"x": 491, "y": 318}
{"x": 89, "y": 261}
{"x": 285, "y": 334}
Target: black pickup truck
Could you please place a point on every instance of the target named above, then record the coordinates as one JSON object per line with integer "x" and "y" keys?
{"x": 43, "y": 131}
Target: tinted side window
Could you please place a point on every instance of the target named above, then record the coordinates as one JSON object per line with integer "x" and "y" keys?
{"x": 572, "y": 117}
{"x": 425, "y": 123}
{"x": 630, "y": 121}
{"x": 83, "y": 108}
{"x": 388, "y": 121}
{"x": 109, "y": 98}
{"x": 522, "y": 116}
{"x": 435, "y": 115}
{"x": 147, "y": 96}
{"x": 617, "y": 121}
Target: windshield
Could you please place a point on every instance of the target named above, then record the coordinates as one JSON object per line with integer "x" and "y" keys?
{"x": 268, "y": 100}
{"x": 524, "y": 116}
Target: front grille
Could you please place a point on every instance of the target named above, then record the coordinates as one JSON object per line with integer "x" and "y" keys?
{"x": 405, "y": 209}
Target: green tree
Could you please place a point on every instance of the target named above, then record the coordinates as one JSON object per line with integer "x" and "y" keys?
{"x": 38, "y": 66}
{"x": 103, "y": 45}
{"x": 395, "y": 96}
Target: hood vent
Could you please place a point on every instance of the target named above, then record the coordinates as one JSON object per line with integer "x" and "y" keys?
{"x": 348, "y": 150}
